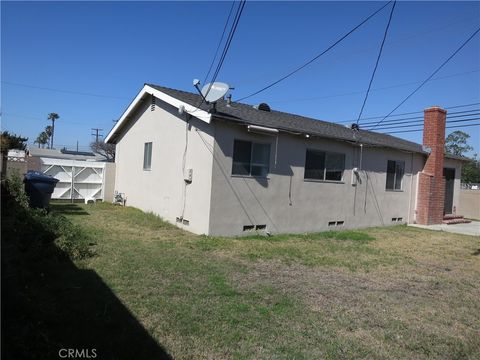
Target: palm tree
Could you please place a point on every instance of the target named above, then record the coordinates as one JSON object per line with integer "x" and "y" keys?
{"x": 53, "y": 117}
{"x": 42, "y": 139}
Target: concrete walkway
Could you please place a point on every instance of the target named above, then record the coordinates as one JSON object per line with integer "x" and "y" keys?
{"x": 472, "y": 228}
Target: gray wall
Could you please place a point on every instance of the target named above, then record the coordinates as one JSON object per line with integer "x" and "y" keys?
{"x": 241, "y": 200}
{"x": 162, "y": 189}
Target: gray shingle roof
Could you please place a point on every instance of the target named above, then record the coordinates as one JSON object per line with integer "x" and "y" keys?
{"x": 244, "y": 113}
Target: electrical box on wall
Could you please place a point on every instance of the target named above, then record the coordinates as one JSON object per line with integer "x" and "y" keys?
{"x": 188, "y": 176}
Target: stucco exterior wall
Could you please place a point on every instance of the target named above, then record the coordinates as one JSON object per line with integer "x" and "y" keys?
{"x": 162, "y": 190}
{"x": 469, "y": 204}
{"x": 287, "y": 203}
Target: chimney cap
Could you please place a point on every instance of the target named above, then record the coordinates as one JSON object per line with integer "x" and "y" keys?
{"x": 435, "y": 108}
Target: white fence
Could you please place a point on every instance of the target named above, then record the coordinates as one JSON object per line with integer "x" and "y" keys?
{"x": 80, "y": 179}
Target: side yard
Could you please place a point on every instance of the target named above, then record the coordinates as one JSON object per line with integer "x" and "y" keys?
{"x": 396, "y": 292}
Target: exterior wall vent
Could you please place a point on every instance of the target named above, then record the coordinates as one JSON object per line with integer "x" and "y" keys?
{"x": 336, "y": 223}
{"x": 254, "y": 227}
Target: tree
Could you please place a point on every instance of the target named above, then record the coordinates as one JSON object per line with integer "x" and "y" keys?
{"x": 12, "y": 141}
{"x": 104, "y": 149}
{"x": 42, "y": 139}
{"x": 53, "y": 117}
{"x": 471, "y": 171}
{"x": 456, "y": 143}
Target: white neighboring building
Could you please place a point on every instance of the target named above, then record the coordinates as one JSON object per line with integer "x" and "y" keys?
{"x": 82, "y": 175}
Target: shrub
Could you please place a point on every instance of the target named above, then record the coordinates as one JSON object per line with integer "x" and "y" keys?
{"x": 16, "y": 189}
{"x": 38, "y": 232}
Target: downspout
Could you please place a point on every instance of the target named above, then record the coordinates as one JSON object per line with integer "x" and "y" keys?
{"x": 357, "y": 177}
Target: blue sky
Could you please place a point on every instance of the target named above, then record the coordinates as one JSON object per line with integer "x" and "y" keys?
{"x": 99, "y": 55}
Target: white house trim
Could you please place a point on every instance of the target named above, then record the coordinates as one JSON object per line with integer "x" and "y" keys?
{"x": 189, "y": 109}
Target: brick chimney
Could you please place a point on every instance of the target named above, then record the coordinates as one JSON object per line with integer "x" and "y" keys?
{"x": 431, "y": 182}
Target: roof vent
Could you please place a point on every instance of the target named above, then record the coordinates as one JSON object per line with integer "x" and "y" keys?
{"x": 262, "y": 107}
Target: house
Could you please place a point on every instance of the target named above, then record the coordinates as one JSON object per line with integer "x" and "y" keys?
{"x": 235, "y": 168}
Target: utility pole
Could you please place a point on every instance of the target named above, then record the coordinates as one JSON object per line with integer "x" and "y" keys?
{"x": 96, "y": 134}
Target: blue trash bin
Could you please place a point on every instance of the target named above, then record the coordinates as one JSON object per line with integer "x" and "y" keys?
{"x": 39, "y": 188}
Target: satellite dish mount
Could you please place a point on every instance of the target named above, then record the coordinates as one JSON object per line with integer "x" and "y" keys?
{"x": 211, "y": 92}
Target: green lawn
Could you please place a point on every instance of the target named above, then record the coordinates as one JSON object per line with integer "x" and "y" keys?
{"x": 393, "y": 293}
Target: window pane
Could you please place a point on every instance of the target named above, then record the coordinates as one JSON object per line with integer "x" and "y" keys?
{"x": 260, "y": 159}
{"x": 258, "y": 170}
{"x": 147, "y": 156}
{"x": 314, "y": 165}
{"x": 390, "y": 175}
{"x": 399, "y": 171}
{"x": 335, "y": 164}
{"x": 241, "y": 157}
{"x": 240, "y": 169}
{"x": 242, "y": 151}
{"x": 335, "y": 161}
{"x": 334, "y": 175}
{"x": 261, "y": 153}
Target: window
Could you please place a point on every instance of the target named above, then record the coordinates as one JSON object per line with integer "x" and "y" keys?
{"x": 323, "y": 165}
{"x": 250, "y": 158}
{"x": 147, "y": 156}
{"x": 395, "y": 171}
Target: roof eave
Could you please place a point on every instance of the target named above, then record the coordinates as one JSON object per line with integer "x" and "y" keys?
{"x": 148, "y": 90}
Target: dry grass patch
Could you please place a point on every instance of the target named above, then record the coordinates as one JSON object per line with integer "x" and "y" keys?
{"x": 394, "y": 292}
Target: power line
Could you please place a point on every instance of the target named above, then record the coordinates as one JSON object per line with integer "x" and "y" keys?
{"x": 374, "y": 89}
{"x": 62, "y": 91}
{"x": 448, "y": 127}
{"x": 433, "y": 74}
{"x": 220, "y": 42}
{"x": 407, "y": 113}
{"x": 378, "y": 60}
{"x": 227, "y": 44}
{"x": 395, "y": 127}
{"x": 314, "y": 58}
{"x": 393, "y": 40}
{"x": 231, "y": 34}
{"x": 65, "y": 122}
{"x": 417, "y": 119}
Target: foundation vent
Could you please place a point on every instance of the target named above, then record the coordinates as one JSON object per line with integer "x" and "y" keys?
{"x": 254, "y": 227}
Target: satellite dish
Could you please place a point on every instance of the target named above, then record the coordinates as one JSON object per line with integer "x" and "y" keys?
{"x": 214, "y": 91}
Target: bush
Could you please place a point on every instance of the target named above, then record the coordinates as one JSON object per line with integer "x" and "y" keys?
{"x": 40, "y": 233}
{"x": 16, "y": 189}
